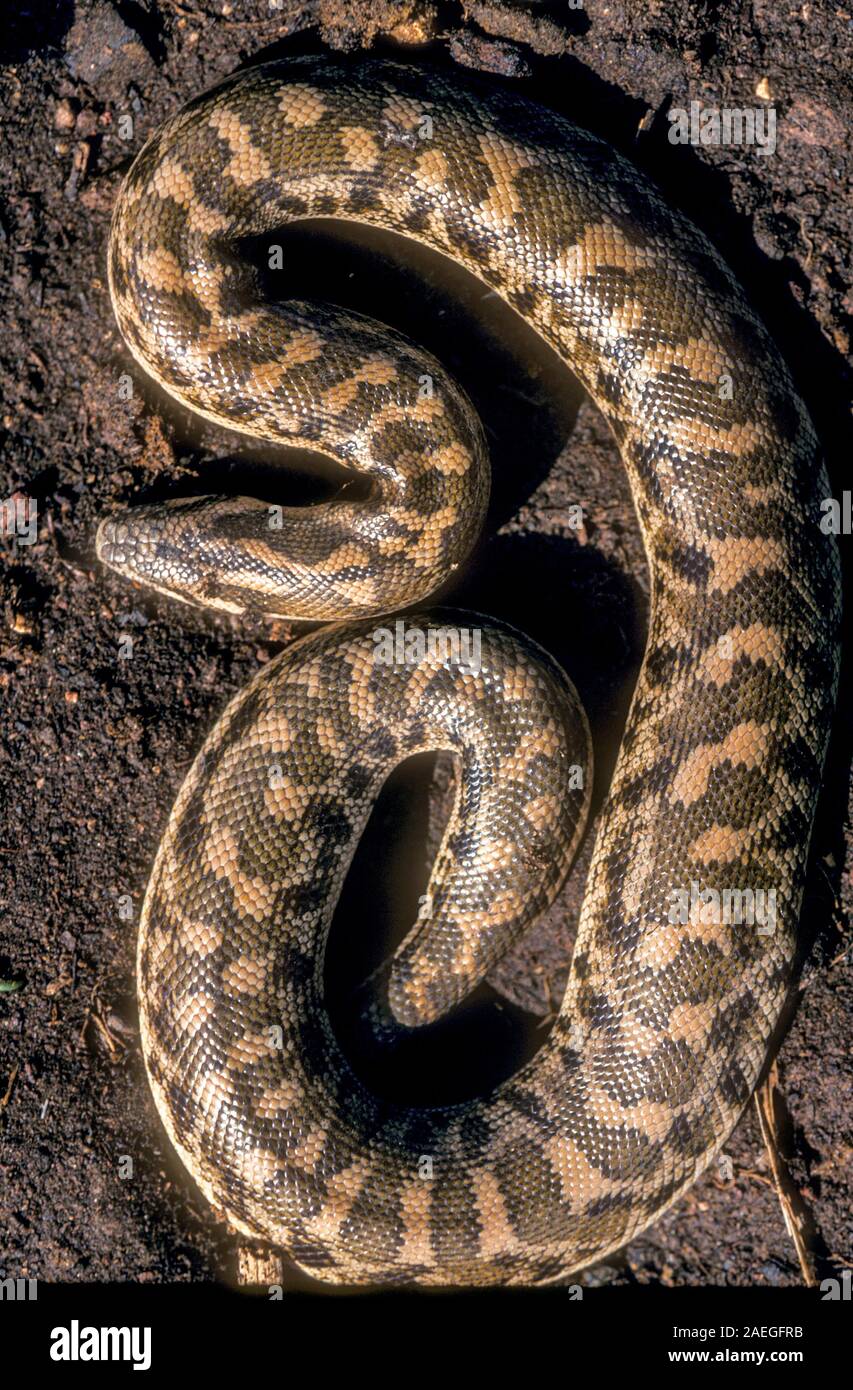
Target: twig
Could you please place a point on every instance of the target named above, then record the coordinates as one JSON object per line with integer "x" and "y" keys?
{"x": 92, "y": 1016}
{"x": 797, "y": 1216}
{"x": 5, "y": 1101}
{"x": 756, "y": 1177}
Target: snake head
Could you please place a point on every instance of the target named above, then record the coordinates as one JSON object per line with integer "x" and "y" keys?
{"x": 140, "y": 545}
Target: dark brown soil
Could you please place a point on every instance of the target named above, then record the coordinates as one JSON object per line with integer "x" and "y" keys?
{"x": 94, "y": 744}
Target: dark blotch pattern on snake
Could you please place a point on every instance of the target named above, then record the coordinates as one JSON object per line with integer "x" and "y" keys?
{"x": 668, "y": 1012}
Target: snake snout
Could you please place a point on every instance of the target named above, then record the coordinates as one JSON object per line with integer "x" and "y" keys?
{"x": 110, "y": 543}
{"x": 131, "y": 543}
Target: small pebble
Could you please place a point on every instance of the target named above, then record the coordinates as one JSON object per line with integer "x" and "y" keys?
{"x": 65, "y": 116}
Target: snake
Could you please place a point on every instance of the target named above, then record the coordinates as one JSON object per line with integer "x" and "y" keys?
{"x": 687, "y": 941}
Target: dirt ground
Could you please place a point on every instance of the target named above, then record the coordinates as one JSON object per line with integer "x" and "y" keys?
{"x": 95, "y": 743}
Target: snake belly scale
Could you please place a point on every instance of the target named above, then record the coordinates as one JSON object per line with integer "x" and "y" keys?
{"x": 668, "y": 1014}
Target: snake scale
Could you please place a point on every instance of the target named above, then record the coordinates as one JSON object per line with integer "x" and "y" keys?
{"x": 668, "y": 1014}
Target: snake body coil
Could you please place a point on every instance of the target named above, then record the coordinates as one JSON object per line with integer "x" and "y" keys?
{"x": 670, "y": 1005}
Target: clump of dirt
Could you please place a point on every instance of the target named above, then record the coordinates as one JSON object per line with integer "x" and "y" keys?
{"x": 107, "y": 690}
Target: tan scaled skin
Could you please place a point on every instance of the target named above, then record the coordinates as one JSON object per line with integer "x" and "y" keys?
{"x": 667, "y": 1018}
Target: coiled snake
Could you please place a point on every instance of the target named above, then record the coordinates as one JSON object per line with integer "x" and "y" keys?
{"x": 671, "y": 1002}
